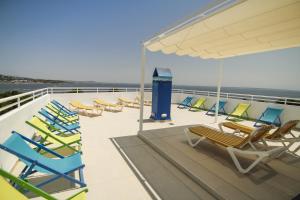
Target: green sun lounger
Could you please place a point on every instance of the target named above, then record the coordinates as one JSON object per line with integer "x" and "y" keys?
{"x": 198, "y": 105}
{"x": 8, "y": 191}
{"x": 59, "y": 167}
{"x": 52, "y": 135}
{"x": 239, "y": 112}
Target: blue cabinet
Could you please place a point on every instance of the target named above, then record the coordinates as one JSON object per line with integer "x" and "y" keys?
{"x": 161, "y": 94}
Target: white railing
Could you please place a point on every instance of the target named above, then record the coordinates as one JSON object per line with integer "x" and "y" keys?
{"x": 15, "y": 101}
{"x": 9, "y": 103}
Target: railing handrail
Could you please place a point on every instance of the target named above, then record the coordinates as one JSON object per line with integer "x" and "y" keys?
{"x": 5, "y": 99}
{"x": 41, "y": 92}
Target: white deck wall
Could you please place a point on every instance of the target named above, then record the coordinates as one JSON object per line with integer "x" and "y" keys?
{"x": 15, "y": 120}
{"x": 290, "y": 112}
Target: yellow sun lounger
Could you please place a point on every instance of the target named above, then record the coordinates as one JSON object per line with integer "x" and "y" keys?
{"x": 8, "y": 192}
{"x": 108, "y": 106}
{"x": 198, "y": 105}
{"x": 146, "y": 102}
{"x": 234, "y": 144}
{"x": 239, "y": 111}
{"x": 86, "y": 109}
{"x": 128, "y": 102}
{"x": 64, "y": 118}
{"x": 52, "y": 135}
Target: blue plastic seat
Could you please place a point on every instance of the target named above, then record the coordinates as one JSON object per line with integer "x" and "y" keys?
{"x": 61, "y": 166}
{"x": 212, "y": 110}
{"x": 187, "y": 102}
{"x": 59, "y": 124}
{"x": 270, "y": 116}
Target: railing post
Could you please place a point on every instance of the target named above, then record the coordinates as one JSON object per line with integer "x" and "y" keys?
{"x": 77, "y": 90}
{"x": 33, "y": 96}
{"x": 126, "y": 90}
{"x": 51, "y": 90}
{"x": 19, "y": 103}
{"x": 285, "y": 101}
{"x": 113, "y": 90}
{"x": 97, "y": 90}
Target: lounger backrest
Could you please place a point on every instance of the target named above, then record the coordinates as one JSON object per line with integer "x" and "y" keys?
{"x": 271, "y": 114}
{"x": 259, "y": 133}
{"x": 222, "y": 104}
{"x": 240, "y": 109}
{"x": 286, "y": 128}
{"x": 43, "y": 131}
{"x": 17, "y": 144}
{"x": 199, "y": 102}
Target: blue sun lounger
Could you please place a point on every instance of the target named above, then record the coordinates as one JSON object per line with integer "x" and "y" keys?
{"x": 270, "y": 116}
{"x": 63, "y": 109}
{"x": 59, "y": 167}
{"x": 187, "y": 102}
{"x": 212, "y": 110}
{"x": 59, "y": 124}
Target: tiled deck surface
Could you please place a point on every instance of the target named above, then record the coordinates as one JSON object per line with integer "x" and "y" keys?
{"x": 106, "y": 173}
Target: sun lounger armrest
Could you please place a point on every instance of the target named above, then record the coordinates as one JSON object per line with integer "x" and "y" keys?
{"x": 222, "y": 130}
{"x": 38, "y": 145}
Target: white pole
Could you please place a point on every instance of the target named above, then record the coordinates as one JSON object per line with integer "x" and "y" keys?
{"x": 142, "y": 87}
{"x": 219, "y": 89}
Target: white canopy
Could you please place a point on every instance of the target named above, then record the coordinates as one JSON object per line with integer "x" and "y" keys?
{"x": 231, "y": 28}
{"x": 241, "y": 27}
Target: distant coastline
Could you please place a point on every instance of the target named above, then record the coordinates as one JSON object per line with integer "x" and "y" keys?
{"x": 16, "y": 84}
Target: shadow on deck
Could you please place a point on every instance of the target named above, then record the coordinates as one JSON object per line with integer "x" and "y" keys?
{"x": 177, "y": 171}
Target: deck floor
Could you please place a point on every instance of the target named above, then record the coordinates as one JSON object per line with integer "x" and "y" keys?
{"x": 106, "y": 173}
{"x": 212, "y": 167}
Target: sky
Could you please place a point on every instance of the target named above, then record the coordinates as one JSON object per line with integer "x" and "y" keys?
{"x": 100, "y": 40}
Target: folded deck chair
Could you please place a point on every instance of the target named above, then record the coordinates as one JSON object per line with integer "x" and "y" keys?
{"x": 52, "y": 135}
{"x": 198, "y": 105}
{"x": 128, "y": 103}
{"x": 59, "y": 167}
{"x": 108, "y": 106}
{"x": 60, "y": 124}
{"x": 86, "y": 109}
{"x": 240, "y": 111}
{"x": 270, "y": 116}
{"x": 9, "y": 192}
{"x": 187, "y": 102}
{"x": 63, "y": 108}
{"x": 234, "y": 144}
{"x": 146, "y": 102}
{"x": 66, "y": 118}
{"x": 212, "y": 110}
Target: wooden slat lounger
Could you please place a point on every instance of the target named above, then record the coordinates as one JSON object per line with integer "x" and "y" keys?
{"x": 279, "y": 135}
{"x": 233, "y": 143}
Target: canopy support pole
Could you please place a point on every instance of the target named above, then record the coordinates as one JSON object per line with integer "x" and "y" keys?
{"x": 143, "y": 62}
{"x": 219, "y": 89}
